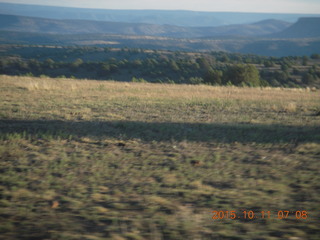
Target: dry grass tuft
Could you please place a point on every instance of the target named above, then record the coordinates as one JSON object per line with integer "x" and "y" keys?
{"x": 291, "y": 107}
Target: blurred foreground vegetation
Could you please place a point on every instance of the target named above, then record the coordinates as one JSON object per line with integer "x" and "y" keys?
{"x": 84, "y": 159}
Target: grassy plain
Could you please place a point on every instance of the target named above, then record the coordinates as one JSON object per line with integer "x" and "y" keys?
{"x": 84, "y": 159}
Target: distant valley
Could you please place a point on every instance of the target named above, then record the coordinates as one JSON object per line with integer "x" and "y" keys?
{"x": 263, "y": 34}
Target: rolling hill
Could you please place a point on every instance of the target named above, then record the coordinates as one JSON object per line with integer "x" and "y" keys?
{"x": 261, "y": 28}
{"x": 158, "y": 17}
{"x": 268, "y": 37}
{"x": 42, "y": 25}
{"x": 304, "y": 28}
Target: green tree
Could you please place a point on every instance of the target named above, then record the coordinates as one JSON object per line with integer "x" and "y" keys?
{"x": 305, "y": 60}
{"x": 224, "y": 58}
{"x": 174, "y": 66}
{"x": 49, "y": 63}
{"x": 195, "y": 80}
{"x": 268, "y": 64}
{"x": 315, "y": 56}
{"x": 204, "y": 64}
{"x": 284, "y": 67}
{"x": 308, "y": 78}
{"x": 34, "y": 65}
{"x": 136, "y": 63}
{"x": 240, "y": 75}
{"x": 76, "y": 64}
{"x": 281, "y": 76}
{"x": 213, "y": 77}
{"x": 141, "y": 80}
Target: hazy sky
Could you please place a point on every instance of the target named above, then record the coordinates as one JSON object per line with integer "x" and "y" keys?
{"x": 276, "y": 6}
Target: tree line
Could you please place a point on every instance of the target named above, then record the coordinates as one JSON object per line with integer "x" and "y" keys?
{"x": 173, "y": 67}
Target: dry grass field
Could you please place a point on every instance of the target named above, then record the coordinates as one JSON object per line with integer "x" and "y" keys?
{"x": 84, "y": 159}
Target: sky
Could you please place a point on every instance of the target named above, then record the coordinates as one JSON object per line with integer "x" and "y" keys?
{"x": 271, "y": 6}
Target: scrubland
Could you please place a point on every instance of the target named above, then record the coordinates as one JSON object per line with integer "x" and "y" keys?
{"x": 84, "y": 159}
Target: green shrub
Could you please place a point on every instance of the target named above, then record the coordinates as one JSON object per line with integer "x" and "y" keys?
{"x": 195, "y": 80}
{"x": 141, "y": 80}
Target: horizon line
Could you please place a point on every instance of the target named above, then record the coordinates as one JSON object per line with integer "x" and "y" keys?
{"x": 152, "y": 9}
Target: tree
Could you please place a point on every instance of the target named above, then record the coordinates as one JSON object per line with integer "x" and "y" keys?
{"x": 315, "y": 56}
{"x": 224, "y": 58}
{"x": 76, "y": 64}
{"x": 34, "y": 65}
{"x": 137, "y": 63}
{"x": 141, "y": 80}
{"x": 174, "y": 66}
{"x": 268, "y": 64}
{"x": 243, "y": 75}
{"x": 195, "y": 80}
{"x": 281, "y": 76}
{"x": 308, "y": 78}
{"x": 284, "y": 67}
{"x": 204, "y": 64}
{"x": 213, "y": 77}
{"x": 305, "y": 60}
{"x": 49, "y": 63}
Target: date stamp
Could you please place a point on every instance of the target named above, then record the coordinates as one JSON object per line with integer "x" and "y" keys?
{"x": 252, "y": 215}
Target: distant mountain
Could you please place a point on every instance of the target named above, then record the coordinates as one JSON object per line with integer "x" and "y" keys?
{"x": 42, "y": 25}
{"x": 256, "y": 29}
{"x": 304, "y": 28}
{"x": 267, "y": 37}
{"x": 158, "y": 17}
